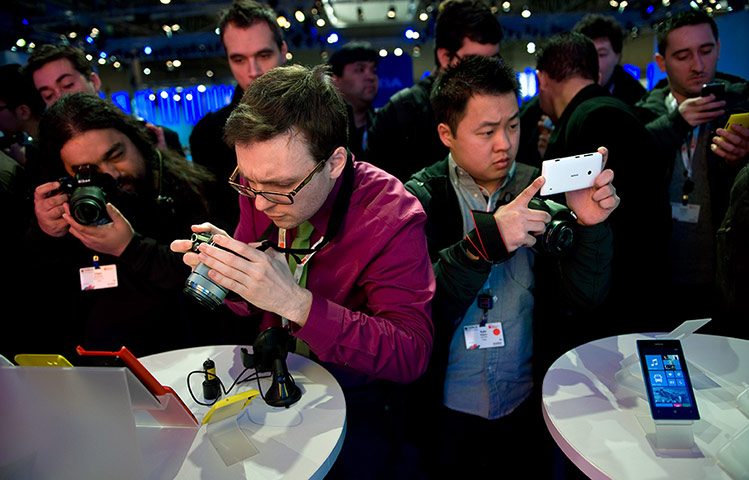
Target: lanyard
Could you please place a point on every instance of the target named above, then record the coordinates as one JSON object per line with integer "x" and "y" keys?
{"x": 687, "y": 150}
{"x": 301, "y": 263}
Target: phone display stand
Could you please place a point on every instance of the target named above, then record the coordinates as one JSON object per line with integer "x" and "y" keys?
{"x": 89, "y": 422}
{"x": 630, "y": 374}
{"x": 732, "y": 457}
{"x": 668, "y": 434}
{"x": 663, "y": 434}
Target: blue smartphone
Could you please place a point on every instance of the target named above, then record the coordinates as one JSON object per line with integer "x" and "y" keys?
{"x": 667, "y": 382}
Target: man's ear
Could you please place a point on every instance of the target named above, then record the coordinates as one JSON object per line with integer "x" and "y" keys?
{"x": 95, "y": 81}
{"x": 23, "y": 112}
{"x": 337, "y": 162}
{"x": 660, "y": 60}
{"x": 717, "y": 48}
{"x": 443, "y": 57}
{"x": 542, "y": 79}
{"x": 284, "y": 51}
{"x": 446, "y": 135}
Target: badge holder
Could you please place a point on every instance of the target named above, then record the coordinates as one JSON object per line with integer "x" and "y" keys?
{"x": 223, "y": 431}
{"x": 667, "y": 434}
{"x": 732, "y": 456}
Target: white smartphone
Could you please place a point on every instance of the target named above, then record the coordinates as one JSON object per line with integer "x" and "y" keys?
{"x": 570, "y": 173}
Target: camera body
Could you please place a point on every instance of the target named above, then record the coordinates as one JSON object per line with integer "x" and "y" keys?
{"x": 88, "y": 192}
{"x": 198, "y": 285}
{"x": 559, "y": 236}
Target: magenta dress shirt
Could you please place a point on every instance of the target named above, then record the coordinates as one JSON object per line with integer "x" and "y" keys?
{"x": 372, "y": 284}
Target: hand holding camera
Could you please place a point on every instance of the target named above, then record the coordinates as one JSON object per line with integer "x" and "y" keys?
{"x": 48, "y": 207}
{"x": 520, "y": 224}
{"x": 263, "y": 278}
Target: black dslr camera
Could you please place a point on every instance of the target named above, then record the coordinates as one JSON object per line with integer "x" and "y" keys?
{"x": 559, "y": 236}
{"x": 88, "y": 191}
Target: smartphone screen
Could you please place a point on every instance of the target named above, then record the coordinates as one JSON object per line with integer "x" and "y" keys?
{"x": 667, "y": 382}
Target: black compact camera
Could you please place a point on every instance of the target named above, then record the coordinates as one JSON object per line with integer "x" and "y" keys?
{"x": 198, "y": 285}
{"x": 559, "y": 236}
{"x": 88, "y": 191}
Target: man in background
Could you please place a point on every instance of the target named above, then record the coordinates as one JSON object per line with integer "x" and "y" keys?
{"x": 354, "y": 69}
{"x": 57, "y": 70}
{"x": 586, "y": 116}
{"x": 254, "y": 44}
{"x": 606, "y": 34}
{"x": 702, "y": 158}
{"x": 403, "y": 138}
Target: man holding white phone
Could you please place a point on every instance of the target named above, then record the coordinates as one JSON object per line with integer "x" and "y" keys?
{"x": 480, "y": 378}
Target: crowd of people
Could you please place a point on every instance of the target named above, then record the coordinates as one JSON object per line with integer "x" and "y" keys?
{"x": 403, "y": 244}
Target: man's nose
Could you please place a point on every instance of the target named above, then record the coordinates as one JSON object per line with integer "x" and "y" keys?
{"x": 698, "y": 64}
{"x": 253, "y": 68}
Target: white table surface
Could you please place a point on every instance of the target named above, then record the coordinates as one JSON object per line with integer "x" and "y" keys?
{"x": 305, "y": 440}
{"x": 598, "y": 423}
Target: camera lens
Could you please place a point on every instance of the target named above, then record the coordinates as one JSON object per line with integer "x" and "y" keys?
{"x": 88, "y": 206}
{"x": 203, "y": 289}
{"x": 559, "y": 237}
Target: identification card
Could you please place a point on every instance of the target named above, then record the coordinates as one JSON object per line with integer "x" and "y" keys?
{"x": 685, "y": 213}
{"x": 98, "y": 278}
{"x": 490, "y": 335}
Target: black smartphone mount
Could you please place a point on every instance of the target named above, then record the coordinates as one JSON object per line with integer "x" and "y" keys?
{"x": 269, "y": 355}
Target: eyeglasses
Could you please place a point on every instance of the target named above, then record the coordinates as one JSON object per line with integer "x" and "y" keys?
{"x": 275, "y": 197}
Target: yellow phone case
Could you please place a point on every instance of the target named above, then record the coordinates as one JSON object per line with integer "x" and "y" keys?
{"x": 737, "y": 119}
{"x": 41, "y": 360}
{"x": 229, "y": 406}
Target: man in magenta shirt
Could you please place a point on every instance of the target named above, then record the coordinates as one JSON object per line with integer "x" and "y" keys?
{"x": 361, "y": 291}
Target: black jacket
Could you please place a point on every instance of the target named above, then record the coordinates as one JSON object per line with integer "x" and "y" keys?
{"x": 209, "y": 149}
{"x": 403, "y": 138}
{"x": 641, "y": 222}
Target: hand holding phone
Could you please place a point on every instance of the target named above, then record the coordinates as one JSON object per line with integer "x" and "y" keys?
{"x": 732, "y": 142}
{"x": 667, "y": 381}
{"x": 570, "y": 173}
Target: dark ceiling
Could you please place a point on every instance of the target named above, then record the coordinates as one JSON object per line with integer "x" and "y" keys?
{"x": 125, "y": 27}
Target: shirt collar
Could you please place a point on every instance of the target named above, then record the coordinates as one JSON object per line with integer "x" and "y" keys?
{"x": 464, "y": 182}
{"x": 321, "y": 217}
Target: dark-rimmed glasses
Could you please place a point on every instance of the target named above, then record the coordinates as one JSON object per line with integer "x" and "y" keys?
{"x": 274, "y": 197}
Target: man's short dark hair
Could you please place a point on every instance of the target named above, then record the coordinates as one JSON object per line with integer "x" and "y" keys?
{"x": 567, "y": 55}
{"x": 460, "y": 19}
{"x": 595, "y": 26}
{"x": 44, "y": 54}
{"x": 17, "y": 89}
{"x": 246, "y": 13}
{"x": 473, "y": 75}
{"x": 350, "y": 53}
{"x": 288, "y": 99}
{"x": 682, "y": 19}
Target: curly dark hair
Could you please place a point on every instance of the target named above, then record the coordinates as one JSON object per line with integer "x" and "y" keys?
{"x": 460, "y": 19}
{"x": 49, "y": 52}
{"x": 595, "y": 26}
{"x": 75, "y": 114}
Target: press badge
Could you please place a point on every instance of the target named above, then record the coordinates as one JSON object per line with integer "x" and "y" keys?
{"x": 490, "y": 335}
{"x": 685, "y": 213}
{"x": 96, "y": 278}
